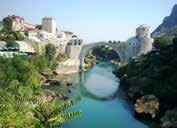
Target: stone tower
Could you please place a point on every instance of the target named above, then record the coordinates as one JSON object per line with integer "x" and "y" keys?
{"x": 73, "y": 48}
{"x": 143, "y": 34}
{"x": 142, "y": 42}
{"x": 49, "y": 25}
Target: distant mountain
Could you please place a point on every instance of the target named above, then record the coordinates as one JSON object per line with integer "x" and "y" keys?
{"x": 168, "y": 28}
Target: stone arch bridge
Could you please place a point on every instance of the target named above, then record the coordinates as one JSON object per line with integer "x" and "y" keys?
{"x": 124, "y": 52}
{"x": 78, "y": 51}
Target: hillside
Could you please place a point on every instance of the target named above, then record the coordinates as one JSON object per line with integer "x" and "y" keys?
{"x": 168, "y": 28}
{"x": 150, "y": 83}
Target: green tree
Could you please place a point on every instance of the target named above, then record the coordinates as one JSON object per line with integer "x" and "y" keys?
{"x": 19, "y": 83}
{"x": 161, "y": 43}
{"x": 19, "y": 91}
{"x": 175, "y": 42}
{"x": 110, "y": 41}
{"x": 51, "y": 55}
{"x": 50, "y": 51}
{"x": 7, "y": 23}
{"x": 114, "y": 42}
{"x": 40, "y": 62}
{"x": 39, "y": 27}
{"x": 10, "y": 37}
{"x": 53, "y": 114}
{"x": 18, "y": 35}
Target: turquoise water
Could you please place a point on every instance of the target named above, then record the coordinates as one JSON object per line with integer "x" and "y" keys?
{"x": 101, "y": 109}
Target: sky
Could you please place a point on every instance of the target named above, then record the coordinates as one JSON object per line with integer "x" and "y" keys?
{"x": 92, "y": 20}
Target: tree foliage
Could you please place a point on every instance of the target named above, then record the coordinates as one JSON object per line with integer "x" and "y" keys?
{"x": 19, "y": 83}
{"x": 161, "y": 42}
{"x": 52, "y": 114}
{"x": 50, "y": 53}
{"x": 7, "y": 23}
{"x": 19, "y": 91}
{"x": 39, "y": 27}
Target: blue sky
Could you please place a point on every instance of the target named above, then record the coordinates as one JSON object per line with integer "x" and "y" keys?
{"x": 93, "y": 20}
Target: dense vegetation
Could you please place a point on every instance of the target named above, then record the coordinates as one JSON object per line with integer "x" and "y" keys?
{"x": 154, "y": 73}
{"x": 11, "y": 35}
{"x": 7, "y": 34}
{"x": 48, "y": 58}
{"x": 105, "y": 53}
{"x": 20, "y": 92}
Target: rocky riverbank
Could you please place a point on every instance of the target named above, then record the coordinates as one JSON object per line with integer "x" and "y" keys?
{"x": 147, "y": 106}
{"x": 56, "y": 86}
{"x": 149, "y": 83}
{"x": 69, "y": 66}
{"x": 89, "y": 61}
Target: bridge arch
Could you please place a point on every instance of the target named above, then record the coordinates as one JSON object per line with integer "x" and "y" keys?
{"x": 89, "y": 47}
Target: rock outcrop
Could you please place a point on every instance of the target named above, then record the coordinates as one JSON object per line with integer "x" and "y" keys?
{"x": 169, "y": 120}
{"x": 148, "y": 104}
{"x": 168, "y": 28}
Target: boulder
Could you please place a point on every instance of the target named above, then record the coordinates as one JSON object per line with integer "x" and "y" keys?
{"x": 69, "y": 84}
{"x": 46, "y": 75}
{"x": 63, "y": 97}
{"x": 169, "y": 120}
{"x": 148, "y": 105}
{"x": 53, "y": 82}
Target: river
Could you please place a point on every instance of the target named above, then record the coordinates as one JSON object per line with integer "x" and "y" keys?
{"x": 101, "y": 108}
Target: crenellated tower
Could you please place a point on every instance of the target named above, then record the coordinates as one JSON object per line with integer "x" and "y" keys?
{"x": 73, "y": 47}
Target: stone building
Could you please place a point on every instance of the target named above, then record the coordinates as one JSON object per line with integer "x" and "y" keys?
{"x": 73, "y": 48}
{"x": 142, "y": 42}
{"x": 17, "y": 23}
{"x": 49, "y": 25}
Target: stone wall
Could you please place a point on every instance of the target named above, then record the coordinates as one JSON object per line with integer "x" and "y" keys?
{"x": 73, "y": 48}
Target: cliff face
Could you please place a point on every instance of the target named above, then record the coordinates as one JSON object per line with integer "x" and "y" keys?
{"x": 168, "y": 28}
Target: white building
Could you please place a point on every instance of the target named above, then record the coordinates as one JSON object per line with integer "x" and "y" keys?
{"x": 17, "y": 23}
{"x": 49, "y": 25}
{"x": 32, "y": 35}
{"x": 45, "y": 35}
{"x": 142, "y": 40}
{"x": 25, "y": 47}
{"x": 61, "y": 36}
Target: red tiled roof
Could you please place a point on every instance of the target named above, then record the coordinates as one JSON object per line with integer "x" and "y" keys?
{"x": 18, "y": 17}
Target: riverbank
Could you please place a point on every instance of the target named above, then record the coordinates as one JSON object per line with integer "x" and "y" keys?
{"x": 149, "y": 84}
{"x": 24, "y": 101}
